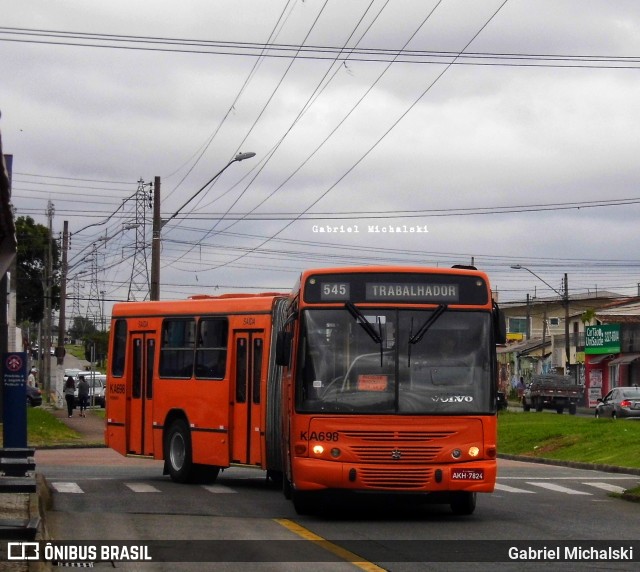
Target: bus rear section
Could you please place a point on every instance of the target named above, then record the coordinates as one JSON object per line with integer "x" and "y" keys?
{"x": 392, "y": 382}
{"x": 188, "y": 383}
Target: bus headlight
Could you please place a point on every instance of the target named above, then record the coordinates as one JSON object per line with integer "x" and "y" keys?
{"x": 318, "y": 449}
{"x": 335, "y": 452}
{"x": 456, "y": 453}
{"x": 474, "y": 451}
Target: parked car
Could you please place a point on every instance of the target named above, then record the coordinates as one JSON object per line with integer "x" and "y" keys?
{"x": 73, "y": 372}
{"x": 97, "y": 384}
{"x": 34, "y": 396}
{"x": 501, "y": 400}
{"x": 620, "y": 402}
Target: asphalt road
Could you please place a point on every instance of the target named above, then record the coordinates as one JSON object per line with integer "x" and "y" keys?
{"x": 98, "y": 495}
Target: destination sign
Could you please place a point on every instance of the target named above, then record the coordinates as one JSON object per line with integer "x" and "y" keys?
{"x": 376, "y": 292}
{"x": 397, "y": 288}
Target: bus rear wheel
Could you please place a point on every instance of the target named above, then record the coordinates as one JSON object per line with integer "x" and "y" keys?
{"x": 463, "y": 503}
{"x": 177, "y": 452}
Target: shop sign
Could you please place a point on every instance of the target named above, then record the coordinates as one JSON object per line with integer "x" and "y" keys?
{"x": 603, "y": 339}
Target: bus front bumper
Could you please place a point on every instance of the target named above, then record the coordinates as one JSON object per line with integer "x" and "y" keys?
{"x": 315, "y": 474}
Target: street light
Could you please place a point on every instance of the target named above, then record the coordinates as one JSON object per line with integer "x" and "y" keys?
{"x": 159, "y": 223}
{"x": 237, "y": 158}
{"x": 565, "y": 302}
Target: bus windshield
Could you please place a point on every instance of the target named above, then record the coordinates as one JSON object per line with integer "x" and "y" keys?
{"x": 343, "y": 368}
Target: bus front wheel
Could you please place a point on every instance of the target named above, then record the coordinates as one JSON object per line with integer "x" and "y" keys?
{"x": 463, "y": 503}
{"x": 177, "y": 451}
{"x": 305, "y": 502}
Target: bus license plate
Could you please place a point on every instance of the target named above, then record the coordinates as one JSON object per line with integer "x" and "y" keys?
{"x": 467, "y": 475}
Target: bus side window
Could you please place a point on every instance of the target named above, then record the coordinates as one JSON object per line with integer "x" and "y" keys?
{"x": 119, "y": 348}
{"x": 211, "y": 353}
{"x": 177, "y": 351}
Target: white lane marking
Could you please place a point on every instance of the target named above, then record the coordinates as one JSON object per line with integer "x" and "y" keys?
{"x": 142, "y": 488}
{"x": 557, "y": 488}
{"x": 218, "y": 489}
{"x": 508, "y": 489}
{"x": 607, "y": 487}
{"x": 67, "y": 488}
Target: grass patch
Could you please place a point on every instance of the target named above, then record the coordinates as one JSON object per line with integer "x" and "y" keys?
{"x": 76, "y": 351}
{"x": 570, "y": 438}
{"x": 44, "y": 429}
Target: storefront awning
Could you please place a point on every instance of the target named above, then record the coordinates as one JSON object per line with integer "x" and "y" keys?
{"x": 595, "y": 360}
{"x": 624, "y": 359}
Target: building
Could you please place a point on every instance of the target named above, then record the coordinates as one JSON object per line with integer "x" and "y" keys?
{"x": 612, "y": 349}
{"x": 537, "y": 341}
{"x": 8, "y": 249}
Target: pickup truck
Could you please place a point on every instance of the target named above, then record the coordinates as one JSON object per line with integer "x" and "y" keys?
{"x": 552, "y": 392}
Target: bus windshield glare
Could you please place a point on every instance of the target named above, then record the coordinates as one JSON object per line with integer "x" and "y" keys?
{"x": 343, "y": 368}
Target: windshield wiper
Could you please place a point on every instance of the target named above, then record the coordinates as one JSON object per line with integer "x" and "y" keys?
{"x": 362, "y": 320}
{"x": 367, "y": 326}
{"x": 415, "y": 338}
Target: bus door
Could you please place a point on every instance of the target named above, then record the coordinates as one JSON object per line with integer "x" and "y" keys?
{"x": 246, "y": 398}
{"x": 143, "y": 345}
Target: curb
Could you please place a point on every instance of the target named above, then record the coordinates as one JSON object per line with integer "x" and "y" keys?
{"x": 571, "y": 464}
{"x": 39, "y": 504}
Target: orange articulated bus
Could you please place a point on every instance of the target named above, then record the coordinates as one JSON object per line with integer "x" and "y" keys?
{"x": 187, "y": 382}
{"x": 366, "y": 379}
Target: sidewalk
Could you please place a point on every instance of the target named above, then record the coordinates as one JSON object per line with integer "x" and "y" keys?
{"x": 90, "y": 428}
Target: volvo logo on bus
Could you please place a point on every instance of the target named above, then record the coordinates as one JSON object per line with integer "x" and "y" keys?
{"x": 396, "y": 454}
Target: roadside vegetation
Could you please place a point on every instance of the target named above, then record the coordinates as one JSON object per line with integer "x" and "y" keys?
{"x": 45, "y": 430}
{"x": 568, "y": 438}
{"x": 548, "y": 435}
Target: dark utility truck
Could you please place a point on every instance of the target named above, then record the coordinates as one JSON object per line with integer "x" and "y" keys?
{"x": 552, "y": 391}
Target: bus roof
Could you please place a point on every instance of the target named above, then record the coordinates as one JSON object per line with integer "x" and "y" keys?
{"x": 393, "y": 269}
{"x": 227, "y": 303}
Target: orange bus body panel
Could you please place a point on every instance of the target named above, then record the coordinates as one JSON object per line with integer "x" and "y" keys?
{"x": 223, "y": 430}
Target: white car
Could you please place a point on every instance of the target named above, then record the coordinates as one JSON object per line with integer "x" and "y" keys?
{"x": 97, "y": 387}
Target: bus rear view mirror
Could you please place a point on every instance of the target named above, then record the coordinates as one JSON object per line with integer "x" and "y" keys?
{"x": 283, "y": 348}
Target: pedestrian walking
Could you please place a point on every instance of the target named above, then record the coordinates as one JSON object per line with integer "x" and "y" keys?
{"x": 69, "y": 394}
{"x": 83, "y": 395}
{"x": 31, "y": 379}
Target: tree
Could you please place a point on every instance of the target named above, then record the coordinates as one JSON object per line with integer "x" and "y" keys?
{"x": 82, "y": 328}
{"x": 95, "y": 346}
{"x": 588, "y": 316}
{"x": 31, "y": 261}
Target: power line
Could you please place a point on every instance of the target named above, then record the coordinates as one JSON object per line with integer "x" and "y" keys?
{"x": 313, "y": 52}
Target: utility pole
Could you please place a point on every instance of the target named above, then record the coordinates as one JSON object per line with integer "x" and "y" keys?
{"x": 544, "y": 335}
{"x": 155, "y": 242}
{"x": 567, "y": 346}
{"x": 46, "y": 346}
{"x": 528, "y": 324}
{"x": 63, "y": 295}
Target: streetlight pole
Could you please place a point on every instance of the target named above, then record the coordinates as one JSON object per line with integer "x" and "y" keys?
{"x": 159, "y": 223}
{"x": 565, "y": 302}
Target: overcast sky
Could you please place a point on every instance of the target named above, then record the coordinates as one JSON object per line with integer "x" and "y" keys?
{"x": 485, "y": 123}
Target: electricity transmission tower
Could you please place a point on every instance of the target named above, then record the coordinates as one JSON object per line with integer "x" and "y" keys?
{"x": 75, "y": 298}
{"x": 139, "y": 283}
{"x": 94, "y": 308}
